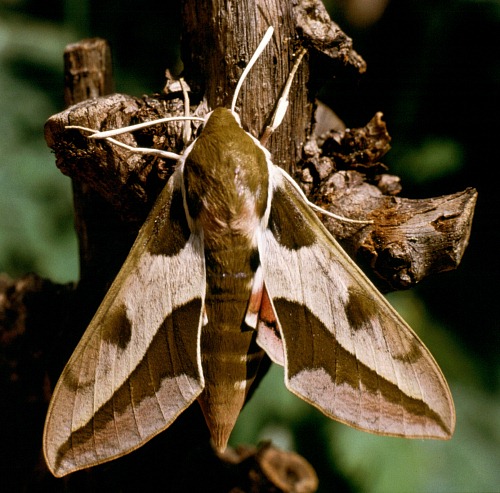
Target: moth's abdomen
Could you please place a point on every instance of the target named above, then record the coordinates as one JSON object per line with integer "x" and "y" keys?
{"x": 230, "y": 362}
{"x": 230, "y": 355}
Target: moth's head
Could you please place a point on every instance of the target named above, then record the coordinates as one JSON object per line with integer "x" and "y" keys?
{"x": 222, "y": 116}
{"x": 221, "y": 129}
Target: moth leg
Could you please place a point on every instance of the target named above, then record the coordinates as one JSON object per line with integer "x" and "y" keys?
{"x": 255, "y": 301}
{"x": 282, "y": 105}
{"x": 186, "y": 134}
{"x": 268, "y": 330}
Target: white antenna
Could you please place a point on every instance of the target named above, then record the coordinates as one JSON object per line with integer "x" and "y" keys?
{"x": 257, "y": 53}
{"x": 118, "y": 131}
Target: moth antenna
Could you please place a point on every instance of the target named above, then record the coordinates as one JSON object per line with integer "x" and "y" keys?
{"x": 137, "y": 150}
{"x": 186, "y": 134}
{"x": 255, "y": 56}
{"x": 282, "y": 105}
{"x": 118, "y": 131}
{"x": 145, "y": 150}
{"x": 319, "y": 209}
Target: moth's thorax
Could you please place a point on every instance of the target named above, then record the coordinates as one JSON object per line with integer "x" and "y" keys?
{"x": 226, "y": 180}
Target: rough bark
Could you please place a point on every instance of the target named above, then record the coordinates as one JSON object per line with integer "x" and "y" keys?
{"x": 113, "y": 189}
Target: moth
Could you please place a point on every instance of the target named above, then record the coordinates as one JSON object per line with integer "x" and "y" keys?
{"x": 231, "y": 264}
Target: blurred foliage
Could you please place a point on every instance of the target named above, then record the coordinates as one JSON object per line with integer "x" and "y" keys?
{"x": 434, "y": 70}
{"x": 35, "y": 199}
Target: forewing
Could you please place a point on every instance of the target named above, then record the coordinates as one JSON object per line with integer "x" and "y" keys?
{"x": 347, "y": 351}
{"x": 138, "y": 364}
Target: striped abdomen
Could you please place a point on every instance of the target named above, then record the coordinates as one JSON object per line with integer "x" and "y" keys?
{"x": 230, "y": 355}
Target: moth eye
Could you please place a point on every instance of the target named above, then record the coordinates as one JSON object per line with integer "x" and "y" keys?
{"x": 254, "y": 260}
{"x": 197, "y": 131}
{"x": 194, "y": 201}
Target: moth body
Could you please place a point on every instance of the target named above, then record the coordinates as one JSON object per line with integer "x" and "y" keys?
{"x": 226, "y": 188}
{"x": 231, "y": 263}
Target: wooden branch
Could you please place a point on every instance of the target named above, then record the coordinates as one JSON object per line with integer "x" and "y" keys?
{"x": 410, "y": 238}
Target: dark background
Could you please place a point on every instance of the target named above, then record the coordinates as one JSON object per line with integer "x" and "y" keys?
{"x": 434, "y": 71}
